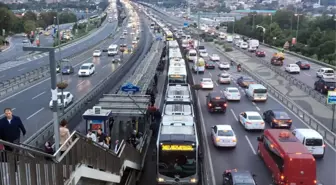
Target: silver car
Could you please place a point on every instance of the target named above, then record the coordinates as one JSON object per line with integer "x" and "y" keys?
{"x": 224, "y": 78}
{"x": 224, "y": 65}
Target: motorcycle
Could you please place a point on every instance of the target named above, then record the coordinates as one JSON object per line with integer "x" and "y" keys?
{"x": 238, "y": 68}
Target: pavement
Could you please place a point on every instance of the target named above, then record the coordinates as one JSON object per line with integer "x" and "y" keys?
{"x": 15, "y": 68}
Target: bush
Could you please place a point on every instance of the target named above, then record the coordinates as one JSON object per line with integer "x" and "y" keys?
{"x": 208, "y": 39}
{"x": 228, "y": 49}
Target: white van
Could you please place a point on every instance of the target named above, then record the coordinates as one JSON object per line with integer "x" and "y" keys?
{"x": 222, "y": 36}
{"x": 192, "y": 55}
{"x": 112, "y": 50}
{"x": 312, "y": 140}
{"x": 256, "y": 92}
{"x": 229, "y": 39}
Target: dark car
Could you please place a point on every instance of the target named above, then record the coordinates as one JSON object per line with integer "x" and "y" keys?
{"x": 260, "y": 53}
{"x": 277, "y": 118}
{"x": 303, "y": 64}
{"x": 236, "y": 177}
{"x": 209, "y": 65}
{"x": 68, "y": 69}
{"x": 324, "y": 85}
{"x": 245, "y": 81}
{"x": 216, "y": 102}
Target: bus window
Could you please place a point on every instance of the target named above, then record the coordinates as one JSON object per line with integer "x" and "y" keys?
{"x": 274, "y": 154}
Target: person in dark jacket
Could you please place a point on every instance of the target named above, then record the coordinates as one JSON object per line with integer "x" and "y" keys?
{"x": 10, "y": 128}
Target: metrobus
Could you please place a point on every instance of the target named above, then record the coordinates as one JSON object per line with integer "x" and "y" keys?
{"x": 177, "y": 74}
{"x": 287, "y": 158}
{"x": 177, "y": 151}
{"x": 178, "y": 92}
{"x": 173, "y": 44}
{"x": 174, "y": 53}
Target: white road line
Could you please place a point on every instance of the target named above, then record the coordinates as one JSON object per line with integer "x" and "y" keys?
{"x": 2, "y": 76}
{"x": 306, "y": 74}
{"x": 4, "y": 114}
{"x": 81, "y": 83}
{"x": 35, "y": 57}
{"x": 28, "y": 59}
{"x": 216, "y": 83}
{"x": 35, "y": 113}
{"x": 22, "y": 69}
{"x": 234, "y": 115}
{"x": 249, "y": 142}
{"x": 257, "y": 108}
{"x": 38, "y": 95}
{"x": 254, "y": 104}
{"x": 104, "y": 66}
{"x": 210, "y": 74}
{"x": 40, "y": 56}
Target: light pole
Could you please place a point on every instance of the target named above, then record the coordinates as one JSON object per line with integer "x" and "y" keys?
{"x": 198, "y": 39}
{"x": 52, "y": 63}
{"x": 271, "y": 22}
{"x": 264, "y": 30}
{"x": 297, "y": 25}
{"x": 253, "y": 16}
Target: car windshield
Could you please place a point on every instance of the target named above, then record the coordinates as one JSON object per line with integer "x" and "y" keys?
{"x": 192, "y": 54}
{"x": 330, "y": 84}
{"x": 66, "y": 67}
{"x": 281, "y": 115}
{"x": 214, "y": 55}
{"x": 233, "y": 90}
{"x": 225, "y": 63}
{"x": 254, "y": 118}
{"x": 225, "y": 133}
{"x": 201, "y": 47}
{"x": 225, "y": 75}
{"x": 60, "y": 97}
{"x": 303, "y": 62}
{"x": 84, "y": 67}
{"x": 314, "y": 142}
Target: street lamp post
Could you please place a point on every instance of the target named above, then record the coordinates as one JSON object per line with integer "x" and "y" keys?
{"x": 264, "y": 30}
{"x": 53, "y": 80}
{"x": 198, "y": 39}
{"x": 271, "y": 22}
{"x": 297, "y": 25}
{"x": 253, "y": 16}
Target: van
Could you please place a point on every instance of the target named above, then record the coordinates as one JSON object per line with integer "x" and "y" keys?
{"x": 192, "y": 55}
{"x": 222, "y": 36}
{"x": 229, "y": 39}
{"x": 256, "y": 92}
{"x": 312, "y": 140}
{"x": 112, "y": 50}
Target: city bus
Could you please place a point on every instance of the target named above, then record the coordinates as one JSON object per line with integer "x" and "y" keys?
{"x": 177, "y": 74}
{"x": 177, "y": 151}
{"x": 285, "y": 156}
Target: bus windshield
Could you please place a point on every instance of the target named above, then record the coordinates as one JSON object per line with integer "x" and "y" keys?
{"x": 177, "y": 163}
{"x": 177, "y": 79}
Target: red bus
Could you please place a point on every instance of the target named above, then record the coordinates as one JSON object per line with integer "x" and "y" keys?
{"x": 289, "y": 161}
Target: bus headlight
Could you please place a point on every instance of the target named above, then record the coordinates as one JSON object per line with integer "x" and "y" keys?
{"x": 193, "y": 180}
{"x": 160, "y": 180}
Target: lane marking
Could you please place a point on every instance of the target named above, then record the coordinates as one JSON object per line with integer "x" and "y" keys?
{"x": 38, "y": 95}
{"x": 4, "y": 114}
{"x": 104, "y": 66}
{"x": 35, "y": 57}
{"x": 2, "y": 76}
{"x": 28, "y": 59}
{"x": 81, "y": 83}
{"x": 251, "y": 146}
{"x": 210, "y": 74}
{"x": 35, "y": 113}
{"x": 306, "y": 74}
{"x": 22, "y": 69}
{"x": 216, "y": 83}
{"x": 254, "y": 103}
{"x": 234, "y": 115}
{"x": 257, "y": 108}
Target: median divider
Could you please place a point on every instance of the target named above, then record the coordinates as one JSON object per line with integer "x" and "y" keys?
{"x": 47, "y": 132}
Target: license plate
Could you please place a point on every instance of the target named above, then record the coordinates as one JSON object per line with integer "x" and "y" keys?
{"x": 292, "y": 183}
{"x": 218, "y": 108}
{"x": 284, "y": 125}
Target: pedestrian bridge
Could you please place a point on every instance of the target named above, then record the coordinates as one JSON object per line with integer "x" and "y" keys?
{"x": 84, "y": 161}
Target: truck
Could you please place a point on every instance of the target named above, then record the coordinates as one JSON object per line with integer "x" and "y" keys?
{"x": 277, "y": 59}
{"x": 253, "y": 43}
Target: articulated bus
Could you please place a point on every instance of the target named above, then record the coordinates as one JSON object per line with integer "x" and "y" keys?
{"x": 177, "y": 151}
{"x": 177, "y": 74}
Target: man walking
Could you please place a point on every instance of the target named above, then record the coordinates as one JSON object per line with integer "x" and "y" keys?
{"x": 10, "y": 128}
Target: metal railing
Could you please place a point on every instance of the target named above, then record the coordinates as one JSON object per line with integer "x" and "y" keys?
{"x": 47, "y": 131}
{"x": 26, "y": 166}
{"x": 327, "y": 134}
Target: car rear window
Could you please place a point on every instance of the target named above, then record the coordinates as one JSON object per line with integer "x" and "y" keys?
{"x": 233, "y": 90}
{"x": 330, "y": 84}
{"x": 314, "y": 142}
{"x": 262, "y": 91}
{"x": 281, "y": 115}
{"x": 254, "y": 118}
{"x": 225, "y": 133}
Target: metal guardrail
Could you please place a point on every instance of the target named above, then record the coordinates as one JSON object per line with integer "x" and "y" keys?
{"x": 43, "y": 72}
{"x": 47, "y": 131}
{"x": 292, "y": 80}
{"x": 327, "y": 134}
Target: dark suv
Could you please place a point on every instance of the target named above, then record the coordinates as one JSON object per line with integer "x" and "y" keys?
{"x": 216, "y": 102}
{"x": 324, "y": 85}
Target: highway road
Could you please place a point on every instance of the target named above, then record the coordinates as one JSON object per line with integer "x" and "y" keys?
{"x": 12, "y": 69}
{"x": 244, "y": 155}
{"x": 35, "y": 112}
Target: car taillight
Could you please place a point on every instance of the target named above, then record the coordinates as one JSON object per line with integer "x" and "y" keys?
{"x": 262, "y": 123}
{"x": 217, "y": 139}
{"x": 325, "y": 87}
{"x": 315, "y": 181}
{"x": 225, "y": 104}
{"x": 209, "y": 104}
{"x": 282, "y": 177}
{"x": 289, "y": 121}
{"x": 275, "y": 121}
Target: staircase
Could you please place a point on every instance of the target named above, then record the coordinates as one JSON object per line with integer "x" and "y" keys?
{"x": 82, "y": 160}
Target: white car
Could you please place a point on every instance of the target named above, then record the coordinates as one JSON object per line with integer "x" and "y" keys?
{"x": 325, "y": 73}
{"x": 224, "y": 65}
{"x": 251, "y": 120}
{"x": 207, "y": 83}
{"x": 224, "y": 78}
{"x": 214, "y": 57}
{"x": 223, "y": 136}
{"x": 67, "y": 99}
{"x": 134, "y": 42}
{"x": 125, "y": 32}
{"x": 97, "y": 53}
{"x": 86, "y": 69}
{"x": 243, "y": 45}
{"x": 203, "y": 54}
{"x": 122, "y": 36}
{"x": 292, "y": 68}
{"x": 232, "y": 93}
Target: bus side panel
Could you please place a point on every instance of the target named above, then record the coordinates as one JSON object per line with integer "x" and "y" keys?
{"x": 300, "y": 170}
{"x": 269, "y": 162}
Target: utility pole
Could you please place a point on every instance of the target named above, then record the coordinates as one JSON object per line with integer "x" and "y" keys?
{"x": 199, "y": 39}
{"x": 297, "y": 25}
{"x": 53, "y": 80}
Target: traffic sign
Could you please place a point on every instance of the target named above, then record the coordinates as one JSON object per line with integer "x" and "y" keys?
{"x": 129, "y": 87}
{"x": 331, "y": 98}
{"x": 185, "y": 24}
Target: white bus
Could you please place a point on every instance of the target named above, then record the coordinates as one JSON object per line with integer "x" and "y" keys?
{"x": 177, "y": 74}
{"x": 174, "y": 53}
{"x": 112, "y": 50}
{"x": 173, "y": 44}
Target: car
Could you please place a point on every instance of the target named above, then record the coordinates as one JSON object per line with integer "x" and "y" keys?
{"x": 125, "y": 32}
{"x": 244, "y": 81}
{"x": 223, "y": 136}
{"x": 277, "y": 118}
{"x": 237, "y": 177}
{"x": 224, "y": 78}
{"x": 325, "y": 73}
{"x": 224, "y": 65}
{"x": 97, "y": 53}
{"x": 123, "y": 47}
{"x": 116, "y": 59}
{"x": 134, "y": 41}
{"x": 216, "y": 102}
{"x": 243, "y": 45}
{"x": 207, "y": 83}
{"x": 203, "y": 54}
{"x": 209, "y": 65}
{"x": 292, "y": 68}
{"x": 232, "y": 94}
{"x": 67, "y": 99}
{"x": 25, "y": 41}
{"x": 251, "y": 120}
{"x": 259, "y": 53}
{"x": 67, "y": 69}
{"x": 86, "y": 69}
{"x": 122, "y": 36}
{"x": 324, "y": 85}
{"x": 252, "y": 49}
{"x": 214, "y": 57}
{"x": 303, "y": 64}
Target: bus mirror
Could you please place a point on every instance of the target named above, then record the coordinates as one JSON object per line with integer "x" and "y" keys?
{"x": 259, "y": 139}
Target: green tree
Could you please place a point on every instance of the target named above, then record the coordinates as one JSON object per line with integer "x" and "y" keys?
{"x": 29, "y": 15}
{"x": 29, "y": 26}
{"x": 67, "y": 17}
{"x": 315, "y": 38}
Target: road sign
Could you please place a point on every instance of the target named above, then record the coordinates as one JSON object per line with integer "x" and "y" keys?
{"x": 129, "y": 87}
{"x": 185, "y": 24}
{"x": 331, "y": 97}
